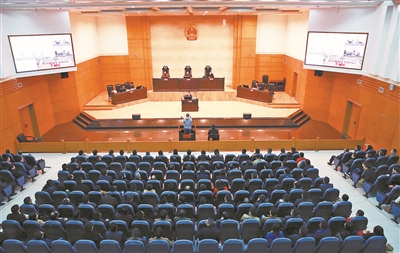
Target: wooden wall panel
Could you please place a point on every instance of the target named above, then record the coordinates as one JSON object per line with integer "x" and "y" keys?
{"x": 139, "y": 47}
{"x": 244, "y": 44}
{"x": 325, "y": 98}
{"x": 114, "y": 70}
{"x": 269, "y": 64}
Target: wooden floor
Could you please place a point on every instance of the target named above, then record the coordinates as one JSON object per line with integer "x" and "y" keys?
{"x": 310, "y": 130}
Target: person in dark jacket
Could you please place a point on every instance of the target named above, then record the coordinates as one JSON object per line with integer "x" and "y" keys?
{"x": 92, "y": 235}
{"x": 209, "y": 231}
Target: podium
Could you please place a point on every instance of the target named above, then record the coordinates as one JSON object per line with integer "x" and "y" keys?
{"x": 190, "y": 105}
{"x": 187, "y": 137}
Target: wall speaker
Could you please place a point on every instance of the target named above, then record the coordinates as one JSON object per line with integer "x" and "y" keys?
{"x": 246, "y": 115}
{"x": 64, "y": 75}
{"x": 318, "y": 72}
{"x": 136, "y": 116}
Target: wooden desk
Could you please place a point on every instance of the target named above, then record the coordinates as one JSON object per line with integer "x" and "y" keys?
{"x": 128, "y": 96}
{"x": 257, "y": 95}
{"x": 192, "y": 84}
{"x": 190, "y": 105}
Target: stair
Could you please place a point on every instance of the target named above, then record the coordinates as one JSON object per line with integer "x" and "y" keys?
{"x": 299, "y": 117}
{"x": 83, "y": 120}
{"x": 99, "y": 107}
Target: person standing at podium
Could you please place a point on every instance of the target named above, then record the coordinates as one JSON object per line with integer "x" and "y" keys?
{"x": 187, "y": 124}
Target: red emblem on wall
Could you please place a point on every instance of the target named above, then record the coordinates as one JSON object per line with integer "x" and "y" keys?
{"x": 191, "y": 33}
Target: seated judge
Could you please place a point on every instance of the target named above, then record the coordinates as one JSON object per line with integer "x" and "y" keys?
{"x": 254, "y": 84}
{"x": 213, "y": 133}
{"x": 188, "y": 96}
{"x": 187, "y": 75}
{"x": 165, "y": 75}
{"x": 187, "y": 124}
{"x": 211, "y": 75}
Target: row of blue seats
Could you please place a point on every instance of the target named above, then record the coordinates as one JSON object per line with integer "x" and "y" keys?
{"x": 374, "y": 244}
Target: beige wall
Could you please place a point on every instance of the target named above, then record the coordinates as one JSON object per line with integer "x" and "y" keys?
{"x": 214, "y": 46}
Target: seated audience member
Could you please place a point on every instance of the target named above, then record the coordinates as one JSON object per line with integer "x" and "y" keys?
{"x": 164, "y": 216}
{"x": 272, "y": 215}
{"x": 34, "y": 216}
{"x": 91, "y": 235}
{"x": 283, "y": 152}
{"x": 129, "y": 85}
{"x": 149, "y": 188}
{"x": 114, "y": 234}
{"x": 187, "y": 124}
{"x": 370, "y": 175}
{"x": 257, "y": 154}
{"x": 393, "y": 151}
{"x": 287, "y": 174}
{"x": 49, "y": 186}
{"x": 125, "y": 215}
{"x": 212, "y": 131}
{"x": 347, "y": 164}
{"x": 16, "y": 215}
{"x": 358, "y": 213}
{"x": 378, "y": 230}
{"x": 8, "y": 154}
{"x": 337, "y": 156}
{"x": 219, "y": 186}
{"x": 325, "y": 185}
{"x": 251, "y": 215}
{"x": 201, "y": 174}
{"x": 275, "y": 233}
{"x": 322, "y": 232}
{"x": 261, "y": 199}
{"x": 209, "y": 231}
{"x": 19, "y": 173}
{"x": 224, "y": 216}
{"x": 109, "y": 199}
{"x": 188, "y": 96}
{"x": 158, "y": 235}
{"x": 303, "y": 232}
{"x": 181, "y": 216}
{"x": 104, "y": 176}
{"x": 293, "y": 214}
{"x": 136, "y": 236}
{"x": 55, "y": 216}
{"x": 39, "y": 235}
{"x": 304, "y": 198}
{"x": 165, "y": 75}
{"x": 222, "y": 175}
{"x": 29, "y": 204}
{"x": 301, "y": 158}
{"x": 203, "y": 157}
{"x": 80, "y": 186}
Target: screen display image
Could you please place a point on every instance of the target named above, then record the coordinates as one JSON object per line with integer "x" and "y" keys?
{"x": 341, "y": 50}
{"x": 42, "y": 52}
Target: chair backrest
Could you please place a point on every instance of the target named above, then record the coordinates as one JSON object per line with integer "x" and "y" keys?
{"x": 250, "y": 229}
{"x": 184, "y": 230}
{"x": 38, "y": 246}
{"x": 208, "y": 246}
{"x": 229, "y": 230}
{"x": 86, "y": 246}
{"x": 336, "y": 224}
{"x": 13, "y": 229}
{"x": 374, "y": 244}
{"x": 328, "y": 244}
{"x": 158, "y": 245}
{"x": 14, "y": 246}
{"x": 134, "y": 246}
{"x": 107, "y": 246}
{"x": 257, "y": 245}
{"x": 183, "y": 246}
{"x": 352, "y": 243}
{"x": 281, "y": 245}
{"x": 305, "y": 244}
{"x": 233, "y": 246}
{"x": 62, "y": 246}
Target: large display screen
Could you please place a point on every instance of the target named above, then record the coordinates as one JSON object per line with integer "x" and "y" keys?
{"x": 42, "y": 52}
{"x": 336, "y": 49}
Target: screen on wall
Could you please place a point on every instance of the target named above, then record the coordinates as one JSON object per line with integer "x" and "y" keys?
{"x": 42, "y": 52}
{"x": 336, "y": 49}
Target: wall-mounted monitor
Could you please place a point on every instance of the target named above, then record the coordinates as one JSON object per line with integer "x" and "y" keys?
{"x": 42, "y": 52}
{"x": 336, "y": 49}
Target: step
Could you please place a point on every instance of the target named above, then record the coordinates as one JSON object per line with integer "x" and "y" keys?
{"x": 296, "y": 114}
{"x": 83, "y": 119}
{"x": 299, "y": 117}
{"x": 303, "y": 121}
{"x": 79, "y": 123}
{"x": 87, "y": 116}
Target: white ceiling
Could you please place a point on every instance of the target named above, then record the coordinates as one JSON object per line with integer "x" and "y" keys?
{"x": 177, "y": 7}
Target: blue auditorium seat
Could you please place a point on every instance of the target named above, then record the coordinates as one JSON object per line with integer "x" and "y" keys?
{"x": 305, "y": 210}
{"x": 342, "y": 208}
{"x": 324, "y": 210}
{"x": 250, "y": 228}
{"x": 134, "y": 246}
{"x": 336, "y": 224}
{"x": 184, "y": 230}
{"x": 13, "y": 230}
{"x": 30, "y": 227}
{"x": 229, "y": 230}
{"x": 183, "y": 246}
{"x": 257, "y": 245}
{"x": 158, "y": 246}
{"x": 304, "y": 245}
{"x": 62, "y": 246}
{"x": 328, "y": 244}
{"x": 350, "y": 244}
{"x": 38, "y": 246}
{"x": 233, "y": 246}
{"x": 86, "y": 246}
{"x": 74, "y": 230}
{"x": 208, "y": 246}
{"x": 14, "y": 246}
{"x": 109, "y": 246}
{"x": 374, "y": 244}
{"x": 292, "y": 226}
{"x": 280, "y": 245}
{"x": 54, "y": 230}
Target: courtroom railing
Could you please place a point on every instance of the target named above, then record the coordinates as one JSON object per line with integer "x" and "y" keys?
{"x": 168, "y": 146}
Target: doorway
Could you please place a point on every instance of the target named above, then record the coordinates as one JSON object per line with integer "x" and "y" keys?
{"x": 28, "y": 120}
{"x": 351, "y": 120}
{"x": 294, "y": 85}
